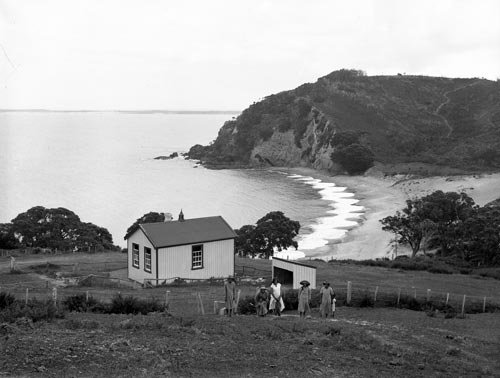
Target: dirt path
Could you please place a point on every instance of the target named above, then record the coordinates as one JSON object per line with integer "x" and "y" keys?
{"x": 446, "y": 102}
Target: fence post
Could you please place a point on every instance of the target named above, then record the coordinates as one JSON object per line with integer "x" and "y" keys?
{"x": 375, "y": 295}
{"x": 167, "y": 299}
{"x": 27, "y": 295}
{"x": 428, "y": 298}
{"x": 237, "y": 301}
{"x": 54, "y": 295}
{"x": 399, "y": 295}
{"x": 463, "y": 306}
{"x": 201, "y": 304}
{"x": 349, "y": 292}
{"x": 484, "y": 304}
{"x": 447, "y": 298}
{"x": 415, "y": 293}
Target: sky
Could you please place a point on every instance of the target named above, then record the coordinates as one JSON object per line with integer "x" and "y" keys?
{"x": 226, "y": 54}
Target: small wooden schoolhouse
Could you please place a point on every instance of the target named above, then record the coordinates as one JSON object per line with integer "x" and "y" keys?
{"x": 198, "y": 248}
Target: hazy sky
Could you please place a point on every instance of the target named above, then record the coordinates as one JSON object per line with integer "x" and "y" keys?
{"x": 212, "y": 54}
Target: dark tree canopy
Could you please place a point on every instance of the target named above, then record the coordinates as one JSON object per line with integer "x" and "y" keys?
{"x": 405, "y": 224}
{"x": 354, "y": 158}
{"x": 452, "y": 223}
{"x": 7, "y": 238}
{"x": 273, "y": 231}
{"x": 151, "y": 217}
{"x": 56, "y": 228}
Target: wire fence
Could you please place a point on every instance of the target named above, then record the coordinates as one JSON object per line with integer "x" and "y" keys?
{"x": 208, "y": 296}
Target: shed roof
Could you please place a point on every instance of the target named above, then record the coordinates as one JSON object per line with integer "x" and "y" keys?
{"x": 294, "y": 262}
{"x": 189, "y": 231}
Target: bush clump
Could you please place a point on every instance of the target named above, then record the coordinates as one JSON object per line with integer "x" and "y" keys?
{"x": 6, "y": 300}
{"x": 79, "y": 303}
{"x": 132, "y": 305}
{"x": 35, "y": 310}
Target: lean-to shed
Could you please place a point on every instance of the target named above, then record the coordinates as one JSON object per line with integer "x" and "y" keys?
{"x": 291, "y": 272}
{"x": 198, "y": 248}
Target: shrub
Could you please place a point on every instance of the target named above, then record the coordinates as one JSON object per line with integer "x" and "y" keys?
{"x": 246, "y": 305}
{"x": 366, "y": 300}
{"x": 79, "y": 303}
{"x": 291, "y": 299}
{"x": 34, "y": 310}
{"x": 6, "y": 300}
{"x": 410, "y": 303}
{"x": 131, "y": 305}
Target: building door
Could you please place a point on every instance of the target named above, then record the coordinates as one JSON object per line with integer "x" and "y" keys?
{"x": 285, "y": 277}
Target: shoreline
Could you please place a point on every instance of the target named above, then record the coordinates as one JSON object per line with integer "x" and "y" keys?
{"x": 381, "y": 196}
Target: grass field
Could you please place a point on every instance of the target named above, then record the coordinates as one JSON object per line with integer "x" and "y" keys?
{"x": 359, "y": 342}
{"x": 38, "y": 274}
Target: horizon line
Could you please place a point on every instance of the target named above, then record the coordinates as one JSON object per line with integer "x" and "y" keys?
{"x": 136, "y": 111}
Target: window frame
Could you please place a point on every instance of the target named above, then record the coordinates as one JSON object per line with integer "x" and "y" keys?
{"x": 197, "y": 261}
{"x": 147, "y": 251}
{"x": 135, "y": 253}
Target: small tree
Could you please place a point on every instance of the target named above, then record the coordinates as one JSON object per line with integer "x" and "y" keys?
{"x": 406, "y": 226}
{"x": 151, "y": 217}
{"x": 273, "y": 231}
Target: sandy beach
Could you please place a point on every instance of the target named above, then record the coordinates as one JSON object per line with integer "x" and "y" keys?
{"x": 383, "y": 196}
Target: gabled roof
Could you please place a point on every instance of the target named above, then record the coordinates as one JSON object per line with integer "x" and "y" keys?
{"x": 189, "y": 231}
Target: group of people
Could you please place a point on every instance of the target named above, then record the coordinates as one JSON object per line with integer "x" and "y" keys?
{"x": 327, "y": 306}
{"x": 272, "y": 299}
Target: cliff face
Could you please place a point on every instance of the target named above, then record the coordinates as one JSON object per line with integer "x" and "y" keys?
{"x": 387, "y": 119}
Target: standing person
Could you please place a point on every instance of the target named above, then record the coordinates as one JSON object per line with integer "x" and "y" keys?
{"x": 333, "y": 305}
{"x": 276, "y": 297}
{"x": 304, "y": 299}
{"x": 230, "y": 289}
{"x": 327, "y": 295}
{"x": 261, "y": 299}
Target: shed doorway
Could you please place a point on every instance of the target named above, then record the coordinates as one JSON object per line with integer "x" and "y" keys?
{"x": 285, "y": 277}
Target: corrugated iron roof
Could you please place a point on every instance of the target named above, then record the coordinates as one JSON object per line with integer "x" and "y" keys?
{"x": 294, "y": 262}
{"x": 189, "y": 231}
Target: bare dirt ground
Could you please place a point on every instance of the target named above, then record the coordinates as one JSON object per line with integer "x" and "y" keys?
{"x": 358, "y": 343}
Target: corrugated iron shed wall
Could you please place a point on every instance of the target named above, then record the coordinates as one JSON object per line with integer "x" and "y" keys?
{"x": 300, "y": 271}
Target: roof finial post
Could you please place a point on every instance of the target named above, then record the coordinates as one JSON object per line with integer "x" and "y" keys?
{"x": 181, "y": 216}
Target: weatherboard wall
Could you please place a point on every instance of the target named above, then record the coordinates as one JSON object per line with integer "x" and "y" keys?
{"x": 139, "y": 274}
{"x": 218, "y": 261}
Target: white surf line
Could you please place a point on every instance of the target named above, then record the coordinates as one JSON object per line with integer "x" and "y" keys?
{"x": 342, "y": 216}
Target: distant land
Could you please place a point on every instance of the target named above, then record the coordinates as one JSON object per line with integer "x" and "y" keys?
{"x": 399, "y": 123}
{"x": 151, "y": 111}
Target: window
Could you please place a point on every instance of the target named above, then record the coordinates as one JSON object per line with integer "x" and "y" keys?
{"x": 135, "y": 255}
{"x": 197, "y": 256}
{"x": 147, "y": 259}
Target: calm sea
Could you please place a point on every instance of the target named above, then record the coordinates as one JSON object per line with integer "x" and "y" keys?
{"x": 101, "y": 166}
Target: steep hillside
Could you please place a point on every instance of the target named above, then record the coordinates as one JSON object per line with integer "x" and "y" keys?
{"x": 388, "y": 119}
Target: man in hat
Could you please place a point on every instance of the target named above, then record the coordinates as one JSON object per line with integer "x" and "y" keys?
{"x": 327, "y": 294}
{"x": 230, "y": 289}
{"x": 261, "y": 299}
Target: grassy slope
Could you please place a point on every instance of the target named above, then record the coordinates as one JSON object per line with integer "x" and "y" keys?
{"x": 359, "y": 343}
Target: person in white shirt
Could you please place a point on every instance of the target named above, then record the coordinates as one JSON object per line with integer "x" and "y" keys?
{"x": 276, "y": 297}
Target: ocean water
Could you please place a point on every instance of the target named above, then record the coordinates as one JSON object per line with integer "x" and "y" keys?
{"x": 101, "y": 166}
